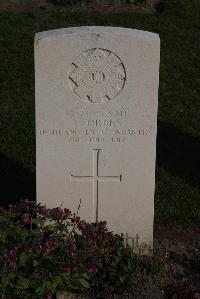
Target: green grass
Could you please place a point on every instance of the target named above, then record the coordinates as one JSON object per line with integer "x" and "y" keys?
{"x": 177, "y": 198}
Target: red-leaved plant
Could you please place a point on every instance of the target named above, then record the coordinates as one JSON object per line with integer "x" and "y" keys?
{"x": 44, "y": 251}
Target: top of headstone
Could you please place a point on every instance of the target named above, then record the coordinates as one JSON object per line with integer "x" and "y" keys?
{"x": 95, "y": 29}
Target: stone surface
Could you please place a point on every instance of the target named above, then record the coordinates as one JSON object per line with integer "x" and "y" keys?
{"x": 96, "y": 116}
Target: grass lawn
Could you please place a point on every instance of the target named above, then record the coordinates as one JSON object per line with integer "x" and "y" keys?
{"x": 177, "y": 198}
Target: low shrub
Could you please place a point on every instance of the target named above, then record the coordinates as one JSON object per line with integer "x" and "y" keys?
{"x": 66, "y": 2}
{"x": 136, "y": 2}
{"x": 44, "y": 251}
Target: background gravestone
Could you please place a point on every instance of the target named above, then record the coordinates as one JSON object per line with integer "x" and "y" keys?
{"x": 96, "y": 116}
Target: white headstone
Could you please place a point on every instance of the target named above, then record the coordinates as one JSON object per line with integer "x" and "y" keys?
{"x": 96, "y": 118}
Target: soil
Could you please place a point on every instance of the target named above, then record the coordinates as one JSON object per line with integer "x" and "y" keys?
{"x": 177, "y": 252}
{"x": 176, "y": 273}
{"x": 94, "y": 5}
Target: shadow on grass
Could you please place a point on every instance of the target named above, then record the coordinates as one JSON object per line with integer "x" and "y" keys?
{"x": 160, "y": 6}
{"x": 178, "y": 153}
{"x": 16, "y": 182}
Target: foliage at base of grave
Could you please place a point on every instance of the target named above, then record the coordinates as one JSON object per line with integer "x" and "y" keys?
{"x": 57, "y": 251}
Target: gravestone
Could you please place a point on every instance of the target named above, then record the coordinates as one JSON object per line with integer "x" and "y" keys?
{"x": 96, "y": 118}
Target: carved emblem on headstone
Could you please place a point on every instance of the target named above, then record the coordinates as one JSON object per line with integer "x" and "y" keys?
{"x": 98, "y": 76}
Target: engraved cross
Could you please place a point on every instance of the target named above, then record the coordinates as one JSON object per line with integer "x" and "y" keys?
{"x": 95, "y": 179}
